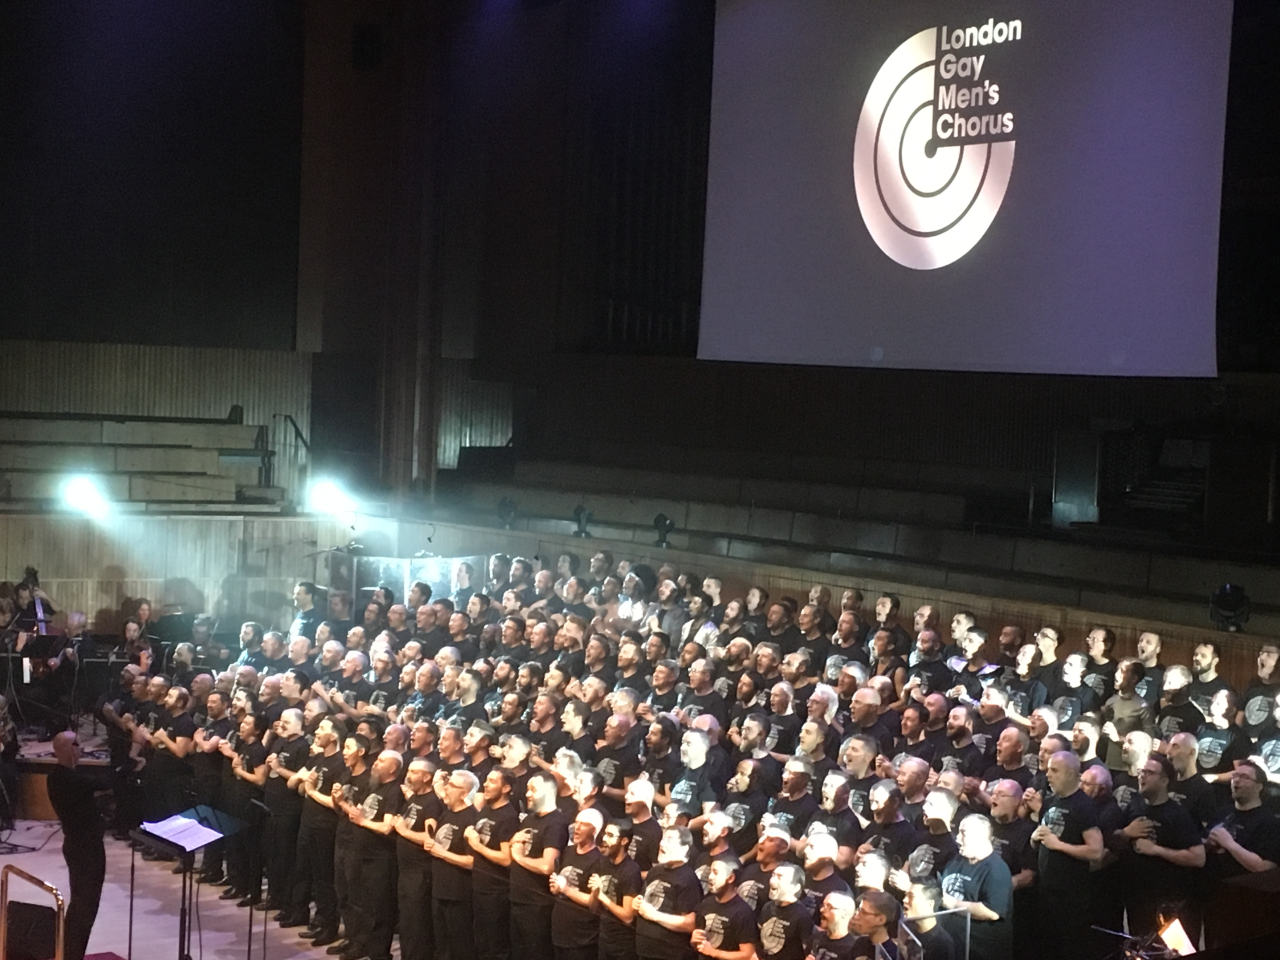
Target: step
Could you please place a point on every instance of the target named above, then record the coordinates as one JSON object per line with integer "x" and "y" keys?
{"x": 41, "y": 485}
{"x": 129, "y": 432}
{"x": 107, "y": 459}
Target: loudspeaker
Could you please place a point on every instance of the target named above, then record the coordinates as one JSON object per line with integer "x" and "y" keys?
{"x": 33, "y": 931}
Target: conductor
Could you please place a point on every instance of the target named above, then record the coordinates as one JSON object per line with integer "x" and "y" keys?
{"x": 71, "y": 794}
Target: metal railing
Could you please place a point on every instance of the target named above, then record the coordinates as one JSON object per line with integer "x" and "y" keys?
{"x": 291, "y": 463}
{"x": 60, "y": 929}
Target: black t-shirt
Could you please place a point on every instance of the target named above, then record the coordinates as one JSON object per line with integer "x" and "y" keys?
{"x": 645, "y": 840}
{"x": 71, "y": 793}
{"x": 753, "y": 885}
{"x": 794, "y": 814}
{"x": 616, "y": 765}
{"x": 450, "y": 881}
{"x": 584, "y": 747}
{"x": 383, "y": 693}
{"x": 987, "y": 882}
{"x": 293, "y": 756}
{"x": 1258, "y": 704}
{"x": 495, "y": 826}
{"x": 1101, "y": 679}
{"x": 1026, "y": 696}
{"x": 177, "y": 727}
{"x": 669, "y": 890}
{"x": 663, "y": 771}
{"x": 841, "y": 824}
{"x": 328, "y": 770}
{"x": 355, "y": 691}
{"x": 1178, "y": 718}
{"x": 236, "y": 791}
{"x": 815, "y": 891}
{"x": 784, "y": 929}
{"x": 727, "y": 925}
{"x": 663, "y": 702}
{"x": 417, "y": 810}
{"x": 548, "y": 830}
{"x": 994, "y": 774}
{"x": 932, "y": 853}
{"x": 784, "y": 730}
{"x": 1068, "y": 818}
{"x": 937, "y": 944}
{"x": 985, "y": 735}
{"x": 208, "y": 766}
{"x": 1203, "y": 692}
{"x": 693, "y": 789}
{"x": 546, "y": 744}
{"x": 1220, "y": 748}
{"x": 1197, "y": 795}
{"x": 378, "y": 801}
{"x": 1176, "y": 829}
{"x": 572, "y": 925}
{"x": 619, "y": 882}
{"x": 969, "y": 759}
{"x": 1070, "y": 702}
{"x": 1256, "y": 830}
{"x": 1012, "y": 841}
{"x": 710, "y": 702}
{"x": 895, "y": 840}
{"x": 823, "y": 947}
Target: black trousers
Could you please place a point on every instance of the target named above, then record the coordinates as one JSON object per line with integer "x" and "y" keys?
{"x": 413, "y": 894}
{"x": 491, "y": 921}
{"x": 208, "y": 793}
{"x": 531, "y": 930}
{"x": 313, "y": 875}
{"x": 1063, "y": 922}
{"x": 280, "y": 842}
{"x": 454, "y": 937}
{"x": 87, "y": 867}
{"x": 606, "y": 951}
{"x": 577, "y": 953}
{"x": 346, "y": 879}
{"x": 244, "y": 852}
{"x": 375, "y": 898}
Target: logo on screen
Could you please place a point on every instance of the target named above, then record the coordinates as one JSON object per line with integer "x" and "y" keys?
{"x": 933, "y": 151}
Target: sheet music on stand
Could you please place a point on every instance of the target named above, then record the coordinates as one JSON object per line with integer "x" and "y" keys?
{"x": 183, "y": 832}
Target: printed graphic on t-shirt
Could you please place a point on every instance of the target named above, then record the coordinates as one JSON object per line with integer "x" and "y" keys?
{"x": 716, "y": 926}
{"x": 655, "y": 894}
{"x": 773, "y": 935}
{"x": 752, "y": 891}
{"x": 1055, "y": 820}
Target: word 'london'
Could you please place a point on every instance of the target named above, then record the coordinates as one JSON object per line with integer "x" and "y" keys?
{"x": 953, "y": 97}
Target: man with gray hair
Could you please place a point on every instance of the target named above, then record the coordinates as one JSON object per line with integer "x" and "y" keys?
{"x": 1069, "y": 840}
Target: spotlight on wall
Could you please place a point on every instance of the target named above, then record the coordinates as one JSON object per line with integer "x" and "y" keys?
{"x": 84, "y": 494}
{"x": 507, "y": 512}
{"x": 325, "y": 496}
{"x": 664, "y": 525}
{"x": 1229, "y": 607}
{"x": 581, "y": 516}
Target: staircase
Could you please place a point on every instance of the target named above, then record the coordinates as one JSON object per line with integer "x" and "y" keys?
{"x": 142, "y": 464}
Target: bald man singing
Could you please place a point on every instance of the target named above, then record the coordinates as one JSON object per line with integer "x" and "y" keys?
{"x": 71, "y": 794}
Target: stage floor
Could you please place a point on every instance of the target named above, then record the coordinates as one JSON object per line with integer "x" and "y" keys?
{"x": 155, "y": 934}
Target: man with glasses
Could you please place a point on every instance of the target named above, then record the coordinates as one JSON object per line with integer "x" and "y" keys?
{"x": 1244, "y": 839}
{"x": 1160, "y": 849}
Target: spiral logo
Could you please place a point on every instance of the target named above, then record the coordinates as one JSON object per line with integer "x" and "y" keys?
{"x": 926, "y": 201}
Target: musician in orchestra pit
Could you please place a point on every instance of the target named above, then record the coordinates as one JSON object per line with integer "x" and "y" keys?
{"x": 54, "y": 657}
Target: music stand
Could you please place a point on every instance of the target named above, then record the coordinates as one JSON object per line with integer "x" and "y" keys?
{"x": 181, "y": 836}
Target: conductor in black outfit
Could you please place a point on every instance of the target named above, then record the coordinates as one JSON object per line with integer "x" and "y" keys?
{"x": 71, "y": 794}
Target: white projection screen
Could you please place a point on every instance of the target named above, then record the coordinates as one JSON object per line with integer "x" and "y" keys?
{"x": 1027, "y": 187}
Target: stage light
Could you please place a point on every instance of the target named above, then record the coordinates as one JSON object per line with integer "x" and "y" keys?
{"x": 83, "y": 494}
{"x": 1229, "y": 607}
{"x": 325, "y": 496}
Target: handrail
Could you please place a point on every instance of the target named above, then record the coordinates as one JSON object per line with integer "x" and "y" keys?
{"x": 60, "y": 929}
{"x": 297, "y": 430}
